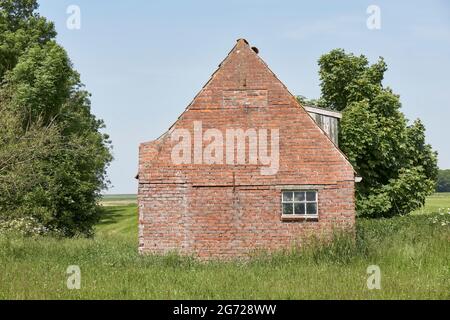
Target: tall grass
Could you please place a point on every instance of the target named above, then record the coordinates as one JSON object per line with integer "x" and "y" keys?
{"x": 412, "y": 253}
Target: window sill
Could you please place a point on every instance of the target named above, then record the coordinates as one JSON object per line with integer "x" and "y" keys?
{"x": 291, "y": 217}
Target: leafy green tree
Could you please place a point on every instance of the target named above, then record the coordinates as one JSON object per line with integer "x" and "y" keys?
{"x": 20, "y": 28}
{"x": 40, "y": 88}
{"x": 443, "y": 183}
{"x": 23, "y": 155}
{"x": 397, "y": 166}
{"x": 346, "y": 78}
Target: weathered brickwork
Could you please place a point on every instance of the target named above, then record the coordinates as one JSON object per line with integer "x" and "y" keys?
{"x": 223, "y": 210}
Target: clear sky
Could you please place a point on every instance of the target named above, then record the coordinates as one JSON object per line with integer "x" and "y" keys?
{"x": 144, "y": 61}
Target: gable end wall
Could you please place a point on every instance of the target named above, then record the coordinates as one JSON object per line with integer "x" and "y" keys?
{"x": 230, "y": 211}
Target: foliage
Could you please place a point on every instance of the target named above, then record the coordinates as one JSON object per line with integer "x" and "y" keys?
{"x": 20, "y": 28}
{"x": 397, "y": 166}
{"x": 304, "y": 101}
{"x": 443, "y": 183}
{"x": 23, "y": 155}
{"x": 61, "y": 154}
{"x": 346, "y": 78}
{"x": 25, "y": 226}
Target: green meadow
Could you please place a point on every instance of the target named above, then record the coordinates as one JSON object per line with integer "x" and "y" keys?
{"x": 412, "y": 252}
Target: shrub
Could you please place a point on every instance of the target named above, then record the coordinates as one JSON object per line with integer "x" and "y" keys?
{"x": 25, "y": 226}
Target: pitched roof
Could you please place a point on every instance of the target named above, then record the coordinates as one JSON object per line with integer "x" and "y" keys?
{"x": 242, "y": 44}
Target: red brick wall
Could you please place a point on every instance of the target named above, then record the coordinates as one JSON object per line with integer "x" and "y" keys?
{"x": 222, "y": 210}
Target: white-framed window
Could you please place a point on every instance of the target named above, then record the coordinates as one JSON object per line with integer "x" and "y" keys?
{"x": 299, "y": 203}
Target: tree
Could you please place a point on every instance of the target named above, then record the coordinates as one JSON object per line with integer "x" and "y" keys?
{"x": 41, "y": 90}
{"x": 22, "y": 162}
{"x": 346, "y": 78}
{"x": 443, "y": 183}
{"x": 397, "y": 166}
{"x": 20, "y": 27}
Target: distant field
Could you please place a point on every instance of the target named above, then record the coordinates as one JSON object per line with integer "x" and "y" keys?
{"x": 413, "y": 254}
{"x": 439, "y": 202}
{"x": 118, "y": 199}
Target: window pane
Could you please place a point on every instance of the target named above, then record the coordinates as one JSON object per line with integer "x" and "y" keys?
{"x": 311, "y": 208}
{"x": 287, "y": 196}
{"x": 299, "y": 196}
{"x": 311, "y": 196}
{"x": 299, "y": 208}
{"x": 287, "y": 208}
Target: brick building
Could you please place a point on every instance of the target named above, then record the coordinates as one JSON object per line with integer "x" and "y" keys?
{"x": 245, "y": 167}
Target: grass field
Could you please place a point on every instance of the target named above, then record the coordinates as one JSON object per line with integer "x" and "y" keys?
{"x": 437, "y": 203}
{"x": 412, "y": 252}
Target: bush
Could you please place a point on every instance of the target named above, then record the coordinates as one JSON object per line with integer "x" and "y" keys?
{"x": 25, "y": 226}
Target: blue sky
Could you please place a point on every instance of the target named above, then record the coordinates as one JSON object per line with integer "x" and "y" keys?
{"x": 144, "y": 61}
